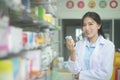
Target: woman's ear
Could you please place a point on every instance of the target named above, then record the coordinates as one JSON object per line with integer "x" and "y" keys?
{"x": 99, "y": 26}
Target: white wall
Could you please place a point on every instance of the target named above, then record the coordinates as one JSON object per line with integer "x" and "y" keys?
{"x": 76, "y": 13}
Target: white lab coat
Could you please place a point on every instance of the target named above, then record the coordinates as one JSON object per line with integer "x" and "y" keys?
{"x": 101, "y": 61}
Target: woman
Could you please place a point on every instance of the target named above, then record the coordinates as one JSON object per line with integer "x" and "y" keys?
{"x": 91, "y": 58}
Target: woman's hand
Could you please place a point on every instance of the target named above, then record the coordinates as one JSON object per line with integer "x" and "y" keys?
{"x": 70, "y": 45}
{"x": 76, "y": 76}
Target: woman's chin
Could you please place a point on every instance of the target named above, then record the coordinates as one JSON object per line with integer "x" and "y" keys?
{"x": 89, "y": 36}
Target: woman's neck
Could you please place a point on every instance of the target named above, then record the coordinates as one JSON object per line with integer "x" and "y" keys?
{"x": 93, "y": 39}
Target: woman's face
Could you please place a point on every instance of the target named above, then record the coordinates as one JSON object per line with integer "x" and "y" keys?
{"x": 90, "y": 27}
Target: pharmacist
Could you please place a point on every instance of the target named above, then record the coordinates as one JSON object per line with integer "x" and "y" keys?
{"x": 91, "y": 58}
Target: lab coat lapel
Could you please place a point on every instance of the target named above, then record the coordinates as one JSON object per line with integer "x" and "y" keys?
{"x": 95, "y": 57}
{"x": 81, "y": 53}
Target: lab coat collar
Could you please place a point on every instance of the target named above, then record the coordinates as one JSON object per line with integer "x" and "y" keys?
{"x": 100, "y": 40}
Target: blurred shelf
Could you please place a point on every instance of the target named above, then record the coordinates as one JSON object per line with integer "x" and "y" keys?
{"x": 27, "y": 20}
{"x": 12, "y": 55}
{"x": 27, "y": 23}
{"x": 22, "y": 52}
{"x": 50, "y": 6}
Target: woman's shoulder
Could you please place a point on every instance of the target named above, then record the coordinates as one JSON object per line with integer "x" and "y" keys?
{"x": 108, "y": 42}
{"x": 106, "y": 45}
{"x": 104, "y": 40}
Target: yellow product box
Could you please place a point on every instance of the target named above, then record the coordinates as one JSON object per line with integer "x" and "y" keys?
{"x": 48, "y": 18}
{"x": 9, "y": 68}
{"x": 117, "y": 59}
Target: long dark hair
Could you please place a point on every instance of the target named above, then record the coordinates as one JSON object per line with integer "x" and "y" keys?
{"x": 97, "y": 18}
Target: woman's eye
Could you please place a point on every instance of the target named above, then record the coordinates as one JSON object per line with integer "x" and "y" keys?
{"x": 84, "y": 25}
{"x": 87, "y": 24}
{"x": 90, "y": 24}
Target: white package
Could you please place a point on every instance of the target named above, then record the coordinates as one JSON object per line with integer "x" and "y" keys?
{"x": 15, "y": 40}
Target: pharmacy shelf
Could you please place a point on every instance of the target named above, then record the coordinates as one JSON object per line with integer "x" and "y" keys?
{"x": 50, "y": 6}
{"x": 12, "y": 55}
{"x": 28, "y": 23}
{"x": 22, "y": 52}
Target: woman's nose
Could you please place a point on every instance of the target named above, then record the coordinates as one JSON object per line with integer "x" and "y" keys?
{"x": 86, "y": 27}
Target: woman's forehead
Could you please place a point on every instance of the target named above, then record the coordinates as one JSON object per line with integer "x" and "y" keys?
{"x": 88, "y": 19}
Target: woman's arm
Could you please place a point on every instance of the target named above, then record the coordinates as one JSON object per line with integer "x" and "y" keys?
{"x": 72, "y": 62}
{"x": 71, "y": 47}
